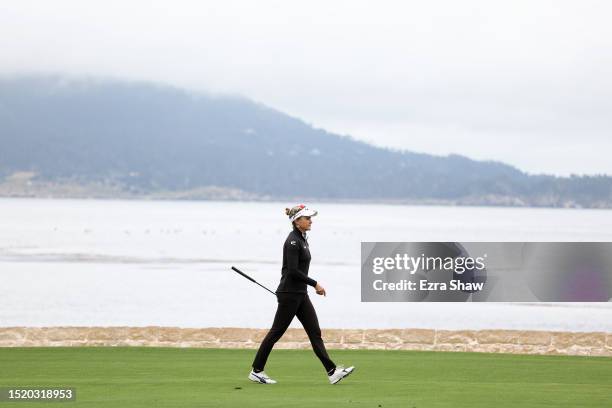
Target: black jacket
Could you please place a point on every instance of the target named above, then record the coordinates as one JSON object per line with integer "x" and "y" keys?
{"x": 296, "y": 260}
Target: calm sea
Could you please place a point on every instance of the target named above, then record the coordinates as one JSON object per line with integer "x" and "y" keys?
{"x": 137, "y": 263}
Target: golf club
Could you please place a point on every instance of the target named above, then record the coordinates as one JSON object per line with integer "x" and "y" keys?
{"x": 251, "y": 279}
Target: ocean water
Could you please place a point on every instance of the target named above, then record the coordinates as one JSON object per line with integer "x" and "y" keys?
{"x": 139, "y": 263}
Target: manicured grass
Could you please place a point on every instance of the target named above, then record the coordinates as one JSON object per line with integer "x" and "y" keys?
{"x": 162, "y": 377}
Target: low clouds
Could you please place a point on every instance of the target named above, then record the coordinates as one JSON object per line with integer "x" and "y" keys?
{"x": 524, "y": 82}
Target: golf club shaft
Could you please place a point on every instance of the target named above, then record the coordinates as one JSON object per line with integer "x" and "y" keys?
{"x": 251, "y": 279}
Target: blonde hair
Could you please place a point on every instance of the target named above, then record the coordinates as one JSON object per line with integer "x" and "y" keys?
{"x": 290, "y": 212}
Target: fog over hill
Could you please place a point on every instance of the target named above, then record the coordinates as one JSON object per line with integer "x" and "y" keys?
{"x": 105, "y": 138}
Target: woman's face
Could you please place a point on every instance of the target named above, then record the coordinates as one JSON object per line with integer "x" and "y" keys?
{"x": 303, "y": 223}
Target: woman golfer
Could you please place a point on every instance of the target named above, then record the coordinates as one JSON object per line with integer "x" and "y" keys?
{"x": 293, "y": 301}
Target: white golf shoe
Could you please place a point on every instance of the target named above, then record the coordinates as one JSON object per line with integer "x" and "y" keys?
{"x": 261, "y": 378}
{"x": 340, "y": 373}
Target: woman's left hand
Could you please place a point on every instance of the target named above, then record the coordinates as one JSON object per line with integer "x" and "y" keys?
{"x": 320, "y": 290}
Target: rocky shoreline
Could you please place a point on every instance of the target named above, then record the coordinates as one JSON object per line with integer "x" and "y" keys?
{"x": 487, "y": 341}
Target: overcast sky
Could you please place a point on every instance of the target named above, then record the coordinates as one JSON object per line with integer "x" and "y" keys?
{"x": 528, "y": 83}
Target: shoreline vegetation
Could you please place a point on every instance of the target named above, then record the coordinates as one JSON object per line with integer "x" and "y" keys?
{"x": 27, "y": 185}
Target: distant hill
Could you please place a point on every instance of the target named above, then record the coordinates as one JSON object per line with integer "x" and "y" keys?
{"x": 63, "y": 137}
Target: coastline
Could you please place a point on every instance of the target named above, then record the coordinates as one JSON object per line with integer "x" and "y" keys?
{"x": 481, "y": 341}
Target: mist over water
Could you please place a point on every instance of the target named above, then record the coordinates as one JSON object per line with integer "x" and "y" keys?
{"x": 139, "y": 263}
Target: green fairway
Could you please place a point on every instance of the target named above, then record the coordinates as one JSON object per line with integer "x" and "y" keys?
{"x": 162, "y": 377}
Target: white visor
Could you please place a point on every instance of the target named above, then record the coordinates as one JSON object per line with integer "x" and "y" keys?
{"x": 304, "y": 212}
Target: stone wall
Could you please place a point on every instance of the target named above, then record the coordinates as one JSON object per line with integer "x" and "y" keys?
{"x": 492, "y": 341}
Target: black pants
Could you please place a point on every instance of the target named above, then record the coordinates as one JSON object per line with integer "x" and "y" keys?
{"x": 289, "y": 305}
